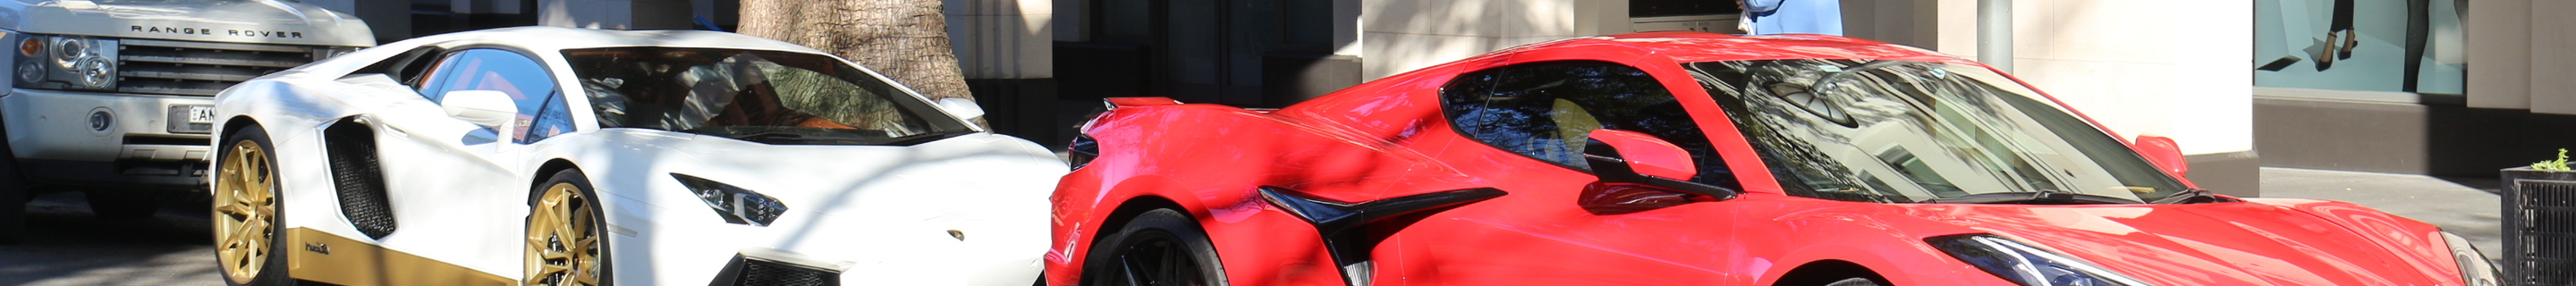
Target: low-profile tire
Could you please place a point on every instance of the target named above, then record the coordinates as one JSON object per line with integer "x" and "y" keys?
{"x": 123, "y": 208}
{"x": 564, "y": 241}
{"x": 1158, "y": 247}
{"x": 1855, "y": 281}
{"x": 250, "y": 243}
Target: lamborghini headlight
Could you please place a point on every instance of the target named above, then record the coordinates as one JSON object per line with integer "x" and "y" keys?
{"x": 2475, "y": 270}
{"x": 2026, "y": 265}
{"x": 735, "y": 204}
{"x": 66, "y": 62}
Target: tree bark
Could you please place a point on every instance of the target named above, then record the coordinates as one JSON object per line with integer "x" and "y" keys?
{"x": 907, "y": 40}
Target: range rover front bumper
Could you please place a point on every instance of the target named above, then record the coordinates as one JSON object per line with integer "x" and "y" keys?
{"x": 103, "y": 139}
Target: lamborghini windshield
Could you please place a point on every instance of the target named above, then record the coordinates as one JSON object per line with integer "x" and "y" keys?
{"x": 1906, "y": 132}
{"x": 759, "y": 96}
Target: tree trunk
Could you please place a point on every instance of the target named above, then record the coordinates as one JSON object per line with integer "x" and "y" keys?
{"x": 907, "y": 40}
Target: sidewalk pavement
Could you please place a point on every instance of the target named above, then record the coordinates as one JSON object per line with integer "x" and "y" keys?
{"x": 2465, "y": 206}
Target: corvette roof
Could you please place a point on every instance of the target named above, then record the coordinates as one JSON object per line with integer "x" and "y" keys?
{"x": 1704, "y": 47}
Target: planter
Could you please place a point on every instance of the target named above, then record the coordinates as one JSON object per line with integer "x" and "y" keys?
{"x": 2539, "y": 227}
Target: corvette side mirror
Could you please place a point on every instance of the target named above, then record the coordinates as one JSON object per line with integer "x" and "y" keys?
{"x": 1627, "y": 160}
{"x": 963, "y": 108}
{"x": 482, "y": 107}
{"x": 1644, "y": 154}
{"x": 2163, "y": 153}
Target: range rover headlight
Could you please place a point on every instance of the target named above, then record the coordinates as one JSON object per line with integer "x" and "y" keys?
{"x": 73, "y": 62}
{"x": 735, "y": 204}
{"x": 2475, "y": 270}
{"x": 2026, "y": 265}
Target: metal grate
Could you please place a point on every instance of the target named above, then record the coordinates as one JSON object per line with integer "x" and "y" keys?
{"x": 360, "y": 182}
{"x": 200, "y": 68}
{"x": 760, "y": 272}
{"x": 2540, "y": 221}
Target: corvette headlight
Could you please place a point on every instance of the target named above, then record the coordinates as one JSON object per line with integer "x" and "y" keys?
{"x": 66, "y": 62}
{"x": 2026, "y": 265}
{"x": 2475, "y": 270}
{"x": 737, "y": 205}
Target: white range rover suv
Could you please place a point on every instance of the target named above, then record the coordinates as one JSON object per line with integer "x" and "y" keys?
{"x": 114, "y": 97}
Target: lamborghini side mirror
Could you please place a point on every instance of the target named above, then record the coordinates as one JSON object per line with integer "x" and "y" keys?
{"x": 963, "y": 108}
{"x": 482, "y": 107}
{"x": 2162, "y": 152}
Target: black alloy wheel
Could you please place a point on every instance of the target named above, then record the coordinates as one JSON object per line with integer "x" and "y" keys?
{"x": 1855, "y": 281}
{"x": 1157, "y": 248}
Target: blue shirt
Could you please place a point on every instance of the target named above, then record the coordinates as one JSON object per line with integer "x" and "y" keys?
{"x": 1794, "y": 16}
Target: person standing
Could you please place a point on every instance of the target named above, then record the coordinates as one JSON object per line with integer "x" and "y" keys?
{"x": 1791, "y": 17}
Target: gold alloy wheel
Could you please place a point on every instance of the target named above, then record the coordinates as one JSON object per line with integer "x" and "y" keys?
{"x": 563, "y": 239}
{"x": 245, "y": 211}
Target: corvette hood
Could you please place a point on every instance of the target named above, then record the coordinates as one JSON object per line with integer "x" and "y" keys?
{"x": 2251, "y": 243}
{"x": 240, "y": 21}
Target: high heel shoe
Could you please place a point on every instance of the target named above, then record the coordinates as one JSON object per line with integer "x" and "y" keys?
{"x": 2325, "y": 57}
{"x": 2349, "y": 41}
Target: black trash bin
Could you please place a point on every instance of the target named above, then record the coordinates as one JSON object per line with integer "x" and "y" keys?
{"x": 2539, "y": 227}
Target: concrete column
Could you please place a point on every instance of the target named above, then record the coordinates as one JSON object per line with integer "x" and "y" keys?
{"x": 1404, "y": 35}
{"x": 2551, "y": 58}
{"x": 1002, "y": 38}
{"x": 2499, "y": 69}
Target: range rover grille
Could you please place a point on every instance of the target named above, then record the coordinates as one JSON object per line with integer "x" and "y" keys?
{"x": 200, "y": 68}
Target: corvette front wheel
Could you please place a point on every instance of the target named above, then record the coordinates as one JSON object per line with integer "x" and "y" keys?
{"x": 1854, "y": 282}
{"x": 1157, "y": 248}
{"x": 564, "y": 245}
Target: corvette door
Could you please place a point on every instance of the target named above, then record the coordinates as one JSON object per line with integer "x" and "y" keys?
{"x": 452, "y": 184}
{"x": 1523, "y": 129}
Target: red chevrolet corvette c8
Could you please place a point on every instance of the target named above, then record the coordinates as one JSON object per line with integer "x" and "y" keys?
{"x": 1682, "y": 158}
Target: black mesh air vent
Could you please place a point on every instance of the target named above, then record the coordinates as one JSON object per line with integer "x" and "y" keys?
{"x": 2540, "y": 220}
{"x": 763, "y": 272}
{"x": 360, "y": 182}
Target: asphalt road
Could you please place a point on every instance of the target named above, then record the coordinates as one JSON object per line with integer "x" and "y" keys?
{"x": 71, "y": 247}
{"x": 68, "y": 246}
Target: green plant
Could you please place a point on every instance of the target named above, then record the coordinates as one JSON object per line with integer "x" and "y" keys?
{"x": 2559, "y": 165}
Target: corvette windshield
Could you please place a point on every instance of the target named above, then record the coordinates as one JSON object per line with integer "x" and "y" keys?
{"x": 759, "y": 96}
{"x": 1906, "y": 132}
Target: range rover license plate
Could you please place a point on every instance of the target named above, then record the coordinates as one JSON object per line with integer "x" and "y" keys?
{"x": 192, "y": 119}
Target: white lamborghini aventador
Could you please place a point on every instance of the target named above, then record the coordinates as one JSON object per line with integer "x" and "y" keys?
{"x": 557, "y": 156}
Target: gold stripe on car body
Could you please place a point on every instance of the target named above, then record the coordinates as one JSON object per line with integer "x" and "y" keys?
{"x": 328, "y": 258}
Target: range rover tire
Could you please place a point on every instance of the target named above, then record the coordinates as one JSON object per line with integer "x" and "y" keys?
{"x": 564, "y": 241}
{"x": 1158, "y": 247}
{"x": 13, "y": 197}
{"x": 123, "y": 208}
{"x": 250, "y": 243}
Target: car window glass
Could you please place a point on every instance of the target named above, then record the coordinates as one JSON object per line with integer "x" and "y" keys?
{"x": 1903, "y": 131}
{"x": 1547, "y": 110}
{"x": 770, "y": 97}
{"x": 511, "y": 73}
